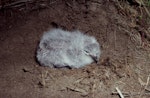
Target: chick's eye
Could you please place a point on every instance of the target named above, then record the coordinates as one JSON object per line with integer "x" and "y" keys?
{"x": 86, "y": 51}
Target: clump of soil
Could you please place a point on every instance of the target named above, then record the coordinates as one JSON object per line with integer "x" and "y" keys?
{"x": 121, "y": 28}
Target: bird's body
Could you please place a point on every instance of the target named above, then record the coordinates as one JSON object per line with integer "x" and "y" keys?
{"x": 59, "y": 48}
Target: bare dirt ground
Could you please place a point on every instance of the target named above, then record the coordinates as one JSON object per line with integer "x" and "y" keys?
{"x": 122, "y": 28}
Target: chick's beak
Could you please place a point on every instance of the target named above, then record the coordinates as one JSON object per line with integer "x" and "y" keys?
{"x": 95, "y": 59}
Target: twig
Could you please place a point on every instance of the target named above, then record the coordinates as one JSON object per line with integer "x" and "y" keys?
{"x": 96, "y": 1}
{"x": 15, "y": 3}
{"x": 147, "y": 34}
{"x": 145, "y": 86}
{"x": 120, "y": 5}
{"x": 148, "y": 13}
{"x": 128, "y": 94}
{"x": 119, "y": 92}
{"x": 147, "y": 89}
{"x": 53, "y": 2}
{"x": 147, "y": 82}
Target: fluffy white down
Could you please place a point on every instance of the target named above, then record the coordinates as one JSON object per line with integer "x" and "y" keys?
{"x": 59, "y": 48}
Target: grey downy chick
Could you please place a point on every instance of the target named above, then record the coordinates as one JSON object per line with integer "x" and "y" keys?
{"x": 59, "y": 48}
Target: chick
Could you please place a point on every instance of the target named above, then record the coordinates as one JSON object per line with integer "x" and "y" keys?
{"x": 59, "y": 48}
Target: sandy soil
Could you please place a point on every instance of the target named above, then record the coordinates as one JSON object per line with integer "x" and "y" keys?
{"x": 123, "y": 35}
